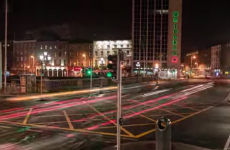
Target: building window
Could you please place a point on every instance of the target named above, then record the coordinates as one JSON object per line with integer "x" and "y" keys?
{"x": 108, "y": 52}
{"x": 50, "y": 47}
{"x": 71, "y": 54}
{"x": 55, "y": 54}
{"x": 121, "y": 45}
{"x": 60, "y": 62}
{"x": 102, "y": 53}
{"x": 45, "y": 46}
{"x": 21, "y": 58}
{"x": 115, "y": 46}
{"x": 127, "y": 52}
{"x": 55, "y": 47}
{"x": 17, "y": 58}
{"x": 65, "y": 54}
{"x": 25, "y": 59}
{"x": 127, "y": 45}
{"x": 108, "y": 46}
{"x": 59, "y": 54}
{"x": 41, "y": 47}
{"x": 55, "y": 63}
{"x": 96, "y": 53}
{"x": 64, "y": 62}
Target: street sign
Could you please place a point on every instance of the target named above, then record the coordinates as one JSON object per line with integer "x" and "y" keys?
{"x": 7, "y": 73}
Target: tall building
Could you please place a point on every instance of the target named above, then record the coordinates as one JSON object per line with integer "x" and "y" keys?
{"x": 156, "y": 34}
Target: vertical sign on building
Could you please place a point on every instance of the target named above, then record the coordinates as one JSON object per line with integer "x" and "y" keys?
{"x": 175, "y": 39}
{"x": 1, "y": 66}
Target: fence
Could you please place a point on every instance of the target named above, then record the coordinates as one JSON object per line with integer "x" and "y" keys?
{"x": 55, "y": 85}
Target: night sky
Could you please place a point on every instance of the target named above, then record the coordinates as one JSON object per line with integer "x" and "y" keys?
{"x": 205, "y": 22}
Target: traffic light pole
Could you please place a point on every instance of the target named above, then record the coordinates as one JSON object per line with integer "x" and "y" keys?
{"x": 119, "y": 90}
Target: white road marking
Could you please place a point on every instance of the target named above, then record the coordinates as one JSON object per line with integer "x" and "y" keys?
{"x": 226, "y": 147}
{"x": 154, "y": 93}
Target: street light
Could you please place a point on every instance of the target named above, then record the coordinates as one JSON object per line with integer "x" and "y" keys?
{"x": 84, "y": 59}
{"x": 33, "y": 63}
{"x": 101, "y": 62}
{"x": 44, "y": 61}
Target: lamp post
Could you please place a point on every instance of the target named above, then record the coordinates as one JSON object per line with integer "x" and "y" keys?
{"x": 192, "y": 57}
{"x": 101, "y": 62}
{"x": 45, "y": 58}
{"x": 32, "y": 63}
{"x": 84, "y": 64}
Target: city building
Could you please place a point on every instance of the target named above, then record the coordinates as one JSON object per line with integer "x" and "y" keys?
{"x": 156, "y": 35}
{"x": 199, "y": 62}
{"x": 22, "y": 52}
{"x": 220, "y": 62}
{"x": 59, "y": 53}
{"x": 102, "y": 49}
{"x": 80, "y": 57}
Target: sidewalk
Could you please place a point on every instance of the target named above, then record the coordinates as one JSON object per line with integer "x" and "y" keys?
{"x": 150, "y": 145}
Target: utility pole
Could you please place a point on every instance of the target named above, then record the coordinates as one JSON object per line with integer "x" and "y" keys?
{"x": 120, "y": 57}
{"x": 6, "y": 20}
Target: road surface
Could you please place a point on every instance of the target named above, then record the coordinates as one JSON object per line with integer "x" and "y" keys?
{"x": 199, "y": 113}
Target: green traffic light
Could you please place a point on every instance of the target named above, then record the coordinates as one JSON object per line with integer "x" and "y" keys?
{"x": 109, "y": 74}
{"x": 88, "y": 72}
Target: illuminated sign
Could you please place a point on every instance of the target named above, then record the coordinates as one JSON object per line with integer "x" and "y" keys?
{"x": 175, "y": 33}
{"x": 174, "y": 59}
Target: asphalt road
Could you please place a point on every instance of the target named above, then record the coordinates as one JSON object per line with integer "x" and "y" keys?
{"x": 198, "y": 112}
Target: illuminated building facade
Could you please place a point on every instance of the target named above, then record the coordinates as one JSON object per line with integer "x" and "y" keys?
{"x": 156, "y": 34}
{"x": 102, "y": 49}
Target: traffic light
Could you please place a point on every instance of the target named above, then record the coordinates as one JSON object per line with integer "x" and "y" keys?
{"x": 89, "y": 72}
{"x": 112, "y": 65}
{"x": 112, "y": 62}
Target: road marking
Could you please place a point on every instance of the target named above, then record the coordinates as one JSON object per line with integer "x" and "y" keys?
{"x": 171, "y": 112}
{"x": 130, "y": 125}
{"x": 181, "y": 119}
{"x": 155, "y": 92}
{"x": 67, "y": 129}
{"x": 5, "y": 127}
{"x": 227, "y": 145}
{"x": 27, "y": 116}
{"x": 187, "y": 107}
{"x": 147, "y": 118}
{"x": 68, "y": 120}
{"x": 127, "y": 132}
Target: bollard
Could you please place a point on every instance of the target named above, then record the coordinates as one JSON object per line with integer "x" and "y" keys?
{"x": 163, "y": 134}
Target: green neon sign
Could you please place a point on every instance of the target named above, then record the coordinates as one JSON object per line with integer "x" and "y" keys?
{"x": 175, "y": 32}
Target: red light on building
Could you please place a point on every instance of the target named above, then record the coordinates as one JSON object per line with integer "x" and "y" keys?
{"x": 174, "y": 59}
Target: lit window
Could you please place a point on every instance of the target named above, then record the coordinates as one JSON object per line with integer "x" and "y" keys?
{"x": 55, "y": 47}
{"x": 55, "y": 54}
{"x": 50, "y": 47}
{"x": 21, "y": 58}
{"x": 65, "y": 54}
{"x": 45, "y": 46}
{"x": 41, "y": 47}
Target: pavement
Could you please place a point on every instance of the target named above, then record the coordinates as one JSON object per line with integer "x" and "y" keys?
{"x": 151, "y": 145}
{"x": 198, "y": 111}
